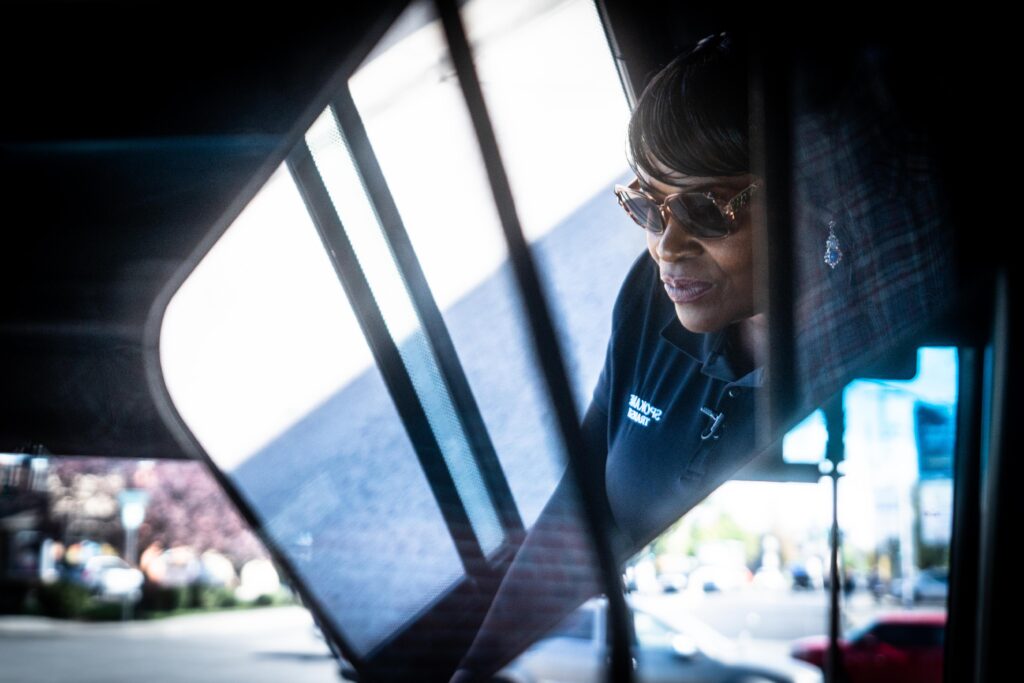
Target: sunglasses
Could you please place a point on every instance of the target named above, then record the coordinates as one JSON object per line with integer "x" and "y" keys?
{"x": 700, "y": 213}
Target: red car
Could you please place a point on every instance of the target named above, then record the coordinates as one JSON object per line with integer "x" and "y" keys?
{"x": 902, "y": 647}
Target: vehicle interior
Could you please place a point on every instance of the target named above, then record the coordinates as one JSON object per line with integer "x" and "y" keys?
{"x": 429, "y": 361}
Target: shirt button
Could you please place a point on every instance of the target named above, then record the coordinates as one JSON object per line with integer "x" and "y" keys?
{"x": 734, "y": 392}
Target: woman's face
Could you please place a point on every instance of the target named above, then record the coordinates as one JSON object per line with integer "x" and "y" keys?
{"x": 710, "y": 281}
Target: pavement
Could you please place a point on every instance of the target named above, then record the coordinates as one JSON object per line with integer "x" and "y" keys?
{"x": 258, "y": 645}
{"x": 282, "y": 644}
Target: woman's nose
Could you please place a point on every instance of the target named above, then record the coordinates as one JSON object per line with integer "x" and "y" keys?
{"x": 676, "y": 241}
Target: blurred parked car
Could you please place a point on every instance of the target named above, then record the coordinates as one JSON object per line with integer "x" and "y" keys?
{"x": 929, "y": 585}
{"x": 672, "y": 582}
{"x": 713, "y": 578}
{"x": 801, "y": 578}
{"x": 111, "y": 578}
{"x": 577, "y": 650}
{"x": 903, "y": 647}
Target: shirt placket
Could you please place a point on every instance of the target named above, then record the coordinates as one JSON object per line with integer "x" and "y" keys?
{"x": 715, "y": 418}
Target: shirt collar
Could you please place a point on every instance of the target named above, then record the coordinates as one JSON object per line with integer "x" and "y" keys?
{"x": 711, "y": 351}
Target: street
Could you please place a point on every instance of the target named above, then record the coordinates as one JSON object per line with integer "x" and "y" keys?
{"x": 763, "y": 621}
{"x": 281, "y": 644}
{"x": 257, "y": 645}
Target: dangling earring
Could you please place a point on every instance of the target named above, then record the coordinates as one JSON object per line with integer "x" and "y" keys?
{"x": 833, "y": 254}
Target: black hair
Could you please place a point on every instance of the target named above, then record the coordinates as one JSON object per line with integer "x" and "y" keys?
{"x": 693, "y": 115}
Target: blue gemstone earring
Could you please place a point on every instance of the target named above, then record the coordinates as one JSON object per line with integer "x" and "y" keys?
{"x": 833, "y": 254}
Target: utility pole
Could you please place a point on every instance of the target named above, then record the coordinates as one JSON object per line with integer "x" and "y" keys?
{"x": 835, "y": 423}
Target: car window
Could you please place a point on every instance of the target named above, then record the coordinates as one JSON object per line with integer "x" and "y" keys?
{"x": 909, "y": 635}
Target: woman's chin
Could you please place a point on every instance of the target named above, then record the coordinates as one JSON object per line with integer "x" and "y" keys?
{"x": 697, "y": 325}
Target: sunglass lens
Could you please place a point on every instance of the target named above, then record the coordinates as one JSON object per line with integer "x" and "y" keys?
{"x": 700, "y": 214}
{"x": 642, "y": 210}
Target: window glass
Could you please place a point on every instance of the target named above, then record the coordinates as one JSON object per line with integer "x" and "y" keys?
{"x": 873, "y": 250}
{"x": 910, "y": 635}
{"x": 752, "y": 561}
{"x": 266, "y": 363}
{"x": 560, "y": 115}
{"x": 330, "y": 469}
{"x": 806, "y": 442}
{"x": 136, "y": 566}
{"x": 392, "y": 297}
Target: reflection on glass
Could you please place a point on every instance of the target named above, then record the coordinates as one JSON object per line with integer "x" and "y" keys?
{"x": 806, "y": 442}
{"x": 266, "y": 363}
{"x": 266, "y": 290}
{"x": 752, "y": 560}
{"x": 390, "y": 293}
{"x": 873, "y": 232}
{"x": 906, "y": 431}
{"x": 676, "y": 648}
{"x": 560, "y": 116}
{"x": 673, "y": 411}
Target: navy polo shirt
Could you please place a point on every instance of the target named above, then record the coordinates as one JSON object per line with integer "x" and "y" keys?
{"x": 646, "y": 421}
{"x": 677, "y": 413}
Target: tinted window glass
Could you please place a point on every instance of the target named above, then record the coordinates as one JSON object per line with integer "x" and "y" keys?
{"x": 873, "y": 233}
{"x": 909, "y": 635}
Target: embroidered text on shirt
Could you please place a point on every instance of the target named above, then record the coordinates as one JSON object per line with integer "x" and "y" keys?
{"x": 642, "y": 412}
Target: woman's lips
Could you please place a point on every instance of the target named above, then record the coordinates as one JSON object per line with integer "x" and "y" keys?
{"x": 683, "y": 290}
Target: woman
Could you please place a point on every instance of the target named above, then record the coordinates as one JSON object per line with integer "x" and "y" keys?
{"x": 672, "y": 411}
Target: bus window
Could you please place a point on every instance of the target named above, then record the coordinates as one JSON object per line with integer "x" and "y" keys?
{"x": 266, "y": 361}
{"x": 752, "y": 561}
{"x": 360, "y": 317}
{"x": 872, "y": 235}
{"x": 560, "y": 114}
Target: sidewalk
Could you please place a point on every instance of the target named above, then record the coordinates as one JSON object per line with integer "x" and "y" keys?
{"x": 262, "y": 644}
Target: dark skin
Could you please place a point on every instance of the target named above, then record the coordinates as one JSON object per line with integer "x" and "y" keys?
{"x": 717, "y": 275}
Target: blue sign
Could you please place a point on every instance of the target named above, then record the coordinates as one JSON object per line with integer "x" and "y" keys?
{"x": 935, "y": 432}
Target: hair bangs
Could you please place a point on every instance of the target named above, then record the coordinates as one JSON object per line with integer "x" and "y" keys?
{"x": 692, "y": 118}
